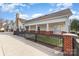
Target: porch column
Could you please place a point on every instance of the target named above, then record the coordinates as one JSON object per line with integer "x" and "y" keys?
{"x": 67, "y": 24}
{"x": 36, "y": 27}
{"x": 47, "y": 27}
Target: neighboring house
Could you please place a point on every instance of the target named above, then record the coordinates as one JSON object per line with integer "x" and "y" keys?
{"x": 2, "y": 24}
{"x": 19, "y": 23}
{"x": 7, "y": 25}
{"x": 57, "y": 22}
{"x": 10, "y": 26}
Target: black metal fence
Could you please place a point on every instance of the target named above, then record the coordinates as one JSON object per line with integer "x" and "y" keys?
{"x": 54, "y": 40}
{"x": 76, "y": 47}
{"x": 28, "y": 35}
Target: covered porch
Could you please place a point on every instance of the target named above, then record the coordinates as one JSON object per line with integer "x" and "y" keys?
{"x": 47, "y": 28}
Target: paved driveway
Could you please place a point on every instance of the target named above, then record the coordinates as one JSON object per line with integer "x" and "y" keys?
{"x": 11, "y": 45}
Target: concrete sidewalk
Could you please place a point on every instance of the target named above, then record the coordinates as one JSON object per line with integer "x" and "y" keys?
{"x": 11, "y": 45}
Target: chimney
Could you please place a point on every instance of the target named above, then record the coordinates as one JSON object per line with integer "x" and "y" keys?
{"x": 17, "y": 15}
{"x": 17, "y": 19}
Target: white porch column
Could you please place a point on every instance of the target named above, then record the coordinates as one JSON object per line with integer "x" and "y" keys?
{"x": 47, "y": 27}
{"x": 36, "y": 28}
{"x": 29, "y": 28}
{"x": 67, "y": 24}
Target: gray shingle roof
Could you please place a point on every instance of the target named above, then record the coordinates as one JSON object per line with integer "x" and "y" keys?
{"x": 66, "y": 12}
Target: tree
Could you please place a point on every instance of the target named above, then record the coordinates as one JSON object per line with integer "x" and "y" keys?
{"x": 75, "y": 25}
{"x": 1, "y": 23}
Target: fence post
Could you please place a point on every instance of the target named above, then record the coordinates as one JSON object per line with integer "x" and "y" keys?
{"x": 68, "y": 45}
{"x": 35, "y": 37}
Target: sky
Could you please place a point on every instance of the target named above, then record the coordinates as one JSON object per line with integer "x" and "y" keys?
{"x": 32, "y": 10}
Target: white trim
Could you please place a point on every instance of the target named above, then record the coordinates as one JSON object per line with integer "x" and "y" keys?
{"x": 52, "y": 18}
{"x": 48, "y": 21}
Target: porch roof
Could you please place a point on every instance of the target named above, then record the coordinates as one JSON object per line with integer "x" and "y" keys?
{"x": 66, "y": 12}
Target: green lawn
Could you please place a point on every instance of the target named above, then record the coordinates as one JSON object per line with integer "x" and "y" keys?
{"x": 49, "y": 40}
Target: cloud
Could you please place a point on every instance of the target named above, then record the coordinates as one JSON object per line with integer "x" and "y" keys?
{"x": 61, "y": 6}
{"x": 68, "y": 5}
{"x": 65, "y": 5}
{"x": 28, "y": 5}
{"x": 31, "y": 4}
{"x": 36, "y": 15}
{"x": 52, "y": 4}
{"x": 73, "y": 11}
{"x": 27, "y": 17}
{"x": 50, "y": 10}
{"x": 17, "y": 11}
{"x": 24, "y": 16}
{"x": 1, "y": 4}
{"x": 74, "y": 16}
{"x": 9, "y": 7}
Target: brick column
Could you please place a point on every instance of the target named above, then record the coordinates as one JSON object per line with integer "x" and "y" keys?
{"x": 68, "y": 44}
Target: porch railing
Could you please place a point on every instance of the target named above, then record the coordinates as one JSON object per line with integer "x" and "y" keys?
{"x": 76, "y": 47}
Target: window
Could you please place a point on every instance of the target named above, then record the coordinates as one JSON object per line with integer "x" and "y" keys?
{"x": 38, "y": 29}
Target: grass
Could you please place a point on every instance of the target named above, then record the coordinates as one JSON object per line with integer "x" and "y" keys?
{"x": 46, "y": 39}
{"x": 50, "y": 40}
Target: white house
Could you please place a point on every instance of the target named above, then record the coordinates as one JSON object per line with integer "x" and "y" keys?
{"x": 56, "y": 22}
